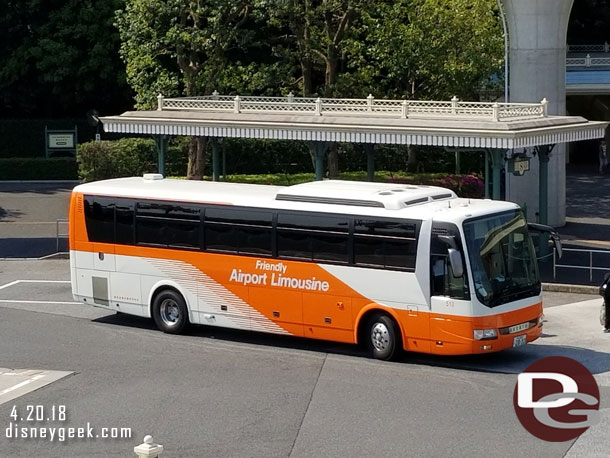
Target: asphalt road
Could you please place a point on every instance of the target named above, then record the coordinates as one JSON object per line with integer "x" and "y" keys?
{"x": 28, "y": 218}
{"x": 215, "y": 393}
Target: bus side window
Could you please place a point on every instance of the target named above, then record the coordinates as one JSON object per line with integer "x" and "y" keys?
{"x": 443, "y": 283}
{"x": 439, "y": 266}
{"x": 99, "y": 219}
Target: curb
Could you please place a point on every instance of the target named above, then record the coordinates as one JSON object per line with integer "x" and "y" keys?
{"x": 564, "y": 288}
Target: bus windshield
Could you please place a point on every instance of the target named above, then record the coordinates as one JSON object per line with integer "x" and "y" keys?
{"x": 502, "y": 258}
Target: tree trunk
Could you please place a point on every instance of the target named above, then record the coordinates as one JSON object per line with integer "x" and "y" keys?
{"x": 306, "y": 69}
{"x": 332, "y": 65}
{"x": 197, "y": 158}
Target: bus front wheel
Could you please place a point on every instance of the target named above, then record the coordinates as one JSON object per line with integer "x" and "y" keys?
{"x": 169, "y": 312}
{"x": 383, "y": 337}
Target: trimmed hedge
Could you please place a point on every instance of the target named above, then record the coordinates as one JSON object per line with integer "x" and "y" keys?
{"x": 463, "y": 185}
{"x": 36, "y": 168}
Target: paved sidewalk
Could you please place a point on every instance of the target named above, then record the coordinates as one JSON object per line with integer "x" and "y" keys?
{"x": 587, "y": 209}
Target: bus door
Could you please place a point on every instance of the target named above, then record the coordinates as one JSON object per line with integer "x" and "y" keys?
{"x": 449, "y": 292}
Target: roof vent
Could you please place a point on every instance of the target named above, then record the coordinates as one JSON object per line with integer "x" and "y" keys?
{"x": 152, "y": 176}
{"x": 386, "y": 193}
{"x": 421, "y": 200}
{"x": 329, "y": 200}
{"x": 442, "y": 196}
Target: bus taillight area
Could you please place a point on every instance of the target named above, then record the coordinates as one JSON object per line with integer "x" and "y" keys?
{"x": 465, "y": 335}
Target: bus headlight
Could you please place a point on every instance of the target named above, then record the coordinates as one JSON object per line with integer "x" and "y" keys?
{"x": 485, "y": 334}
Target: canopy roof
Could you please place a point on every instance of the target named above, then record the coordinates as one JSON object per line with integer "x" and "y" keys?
{"x": 450, "y": 123}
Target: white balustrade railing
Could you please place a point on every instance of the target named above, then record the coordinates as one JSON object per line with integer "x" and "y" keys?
{"x": 588, "y": 61}
{"x": 368, "y": 106}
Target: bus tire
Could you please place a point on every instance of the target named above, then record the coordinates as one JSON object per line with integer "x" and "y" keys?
{"x": 170, "y": 312}
{"x": 383, "y": 337}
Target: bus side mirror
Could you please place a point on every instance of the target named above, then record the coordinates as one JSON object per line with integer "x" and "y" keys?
{"x": 544, "y": 235}
{"x": 456, "y": 263}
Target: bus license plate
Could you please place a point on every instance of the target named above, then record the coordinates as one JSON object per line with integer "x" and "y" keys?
{"x": 519, "y": 341}
{"x": 518, "y": 328}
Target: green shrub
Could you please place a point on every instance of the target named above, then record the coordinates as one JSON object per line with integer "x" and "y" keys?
{"x": 128, "y": 157}
{"x": 113, "y": 159}
{"x": 37, "y": 168}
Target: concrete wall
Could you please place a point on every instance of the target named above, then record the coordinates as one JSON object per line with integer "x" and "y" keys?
{"x": 537, "y": 32}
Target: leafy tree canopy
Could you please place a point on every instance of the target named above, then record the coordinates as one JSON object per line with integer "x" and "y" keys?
{"x": 60, "y": 58}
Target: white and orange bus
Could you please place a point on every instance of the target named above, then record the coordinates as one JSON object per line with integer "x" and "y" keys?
{"x": 386, "y": 265}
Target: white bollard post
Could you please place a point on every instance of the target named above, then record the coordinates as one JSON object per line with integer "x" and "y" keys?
{"x": 236, "y": 104}
{"x": 160, "y": 102}
{"x": 148, "y": 449}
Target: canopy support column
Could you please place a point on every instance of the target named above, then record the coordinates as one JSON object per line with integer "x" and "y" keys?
{"x": 496, "y": 157}
{"x": 215, "y": 158}
{"x": 544, "y": 156}
{"x": 370, "y": 161}
{"x": 224, "y": 164}
{"x": 486, "y": 177}
{"x": 318, "y": 150}
{"x": 161, "y": 143}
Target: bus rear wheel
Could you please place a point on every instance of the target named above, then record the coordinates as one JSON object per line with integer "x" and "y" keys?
{"x": 383, "y": 337}
{"x": 169, "y": 312}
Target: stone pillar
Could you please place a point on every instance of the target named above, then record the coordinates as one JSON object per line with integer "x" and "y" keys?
{"x": 537, "y": 33}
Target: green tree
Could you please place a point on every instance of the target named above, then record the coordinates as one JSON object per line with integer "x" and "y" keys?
{"x": 429, "y": 49}
{"x": 60, "y": 58}
{"x": 189, "y": 48}
{"x": 318, "y": 31}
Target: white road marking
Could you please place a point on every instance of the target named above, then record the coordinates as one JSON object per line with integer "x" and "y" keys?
{"x": 15, "y": 301}
{"x": 16, "y": 282}
{"x": 10, "y": 284}
{"x": 19, "y": 385}
{"x": 53, "y": 255}
{"x": 14, "y": 383}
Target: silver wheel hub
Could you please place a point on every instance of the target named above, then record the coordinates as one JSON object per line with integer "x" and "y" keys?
{"x": 170, "y": 312}
{"x": 380, "y": 337}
